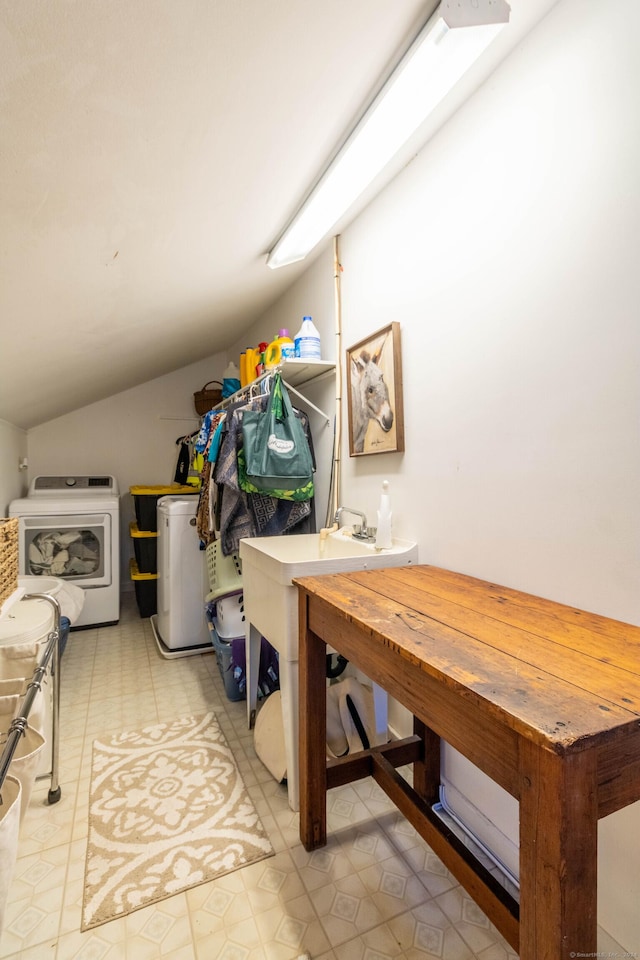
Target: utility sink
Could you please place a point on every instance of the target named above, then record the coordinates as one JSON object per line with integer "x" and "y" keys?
{"x": 269, "y": 564}
{"x": 309, "y": 554}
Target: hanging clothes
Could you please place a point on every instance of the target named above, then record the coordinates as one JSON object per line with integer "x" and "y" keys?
{"x": 195, "y": 469}
{"x": 189, "y": 463}
{"x": 248, "y": 514}
{"x": 225, "y": 510}
{"x": 207, "y": 446}
{"x": 184, "y": 459}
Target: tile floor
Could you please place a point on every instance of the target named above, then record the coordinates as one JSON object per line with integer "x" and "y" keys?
{"x": 374, "y": 892}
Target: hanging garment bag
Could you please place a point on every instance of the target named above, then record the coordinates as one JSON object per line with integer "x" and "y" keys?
{"x": 276, "y": 452}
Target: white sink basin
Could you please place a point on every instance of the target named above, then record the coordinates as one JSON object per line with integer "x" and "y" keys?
{"x": 281, "y": 559}
{"x": 269, "y": 564}
{"x": 271, "y": 610}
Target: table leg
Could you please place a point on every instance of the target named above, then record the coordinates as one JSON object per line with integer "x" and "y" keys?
{"x": 290, "y": 724}
{"x": 558, "y": 854}
{"x": 252, "y": 642}
{"x": 313, "y": 735}
{"x": 426, "y": 772}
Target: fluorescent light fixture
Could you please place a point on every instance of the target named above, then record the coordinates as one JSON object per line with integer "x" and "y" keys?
{"x": 453, "y": 38}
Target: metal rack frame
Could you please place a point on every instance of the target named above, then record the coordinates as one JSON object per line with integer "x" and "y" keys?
{"x": 246, "y": 392}
{"x": 19, "y": 724}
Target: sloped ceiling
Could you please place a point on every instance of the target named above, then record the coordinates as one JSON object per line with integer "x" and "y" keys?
{"x": 151, "y": 152}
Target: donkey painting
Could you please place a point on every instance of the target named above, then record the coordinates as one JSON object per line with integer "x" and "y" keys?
{"x": 369, "y": 395}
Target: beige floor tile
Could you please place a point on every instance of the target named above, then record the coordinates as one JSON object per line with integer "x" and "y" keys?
{"x": 292, "y": 925}
{"x": 37, "y": 875}
{"x": 502, "y": 951}
{"x": 345, "y": 909}
{"x": 429, "y": 868}
{"x": 379, "y": 943}
{"x": 160, "y": 930}
{"x": 32, "y": 921}
{"x": 393, "y": 887}
{"x": 240, "y": 940}
{"x": 376, "y": 891}
{"x": 45, "y": 825}
{"x": 365, "y": 845}
{"x": 322, "y": 867}
{"x": 107, "y": 942}
{"x": 469, "y": 920}
{"x": 425, "y": 933}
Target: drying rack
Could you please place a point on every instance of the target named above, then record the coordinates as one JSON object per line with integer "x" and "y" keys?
{"x": 20, "y": 723}
{"x": 246, "y": 391}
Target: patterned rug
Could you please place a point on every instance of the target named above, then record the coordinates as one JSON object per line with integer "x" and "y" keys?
{"x": 168, "y": 810}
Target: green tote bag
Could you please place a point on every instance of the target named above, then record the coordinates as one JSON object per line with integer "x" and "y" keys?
{"x": 276, "y": 452}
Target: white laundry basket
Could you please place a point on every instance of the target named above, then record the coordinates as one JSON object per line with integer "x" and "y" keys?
{"x": 23, "y": 640}
{"x": 229, "y": 616}
{"x": 18, "y": 689}
{"x": 24, "y": 765}
{"x": 70, "y": 597}
{"x": 9, "y": 830}
{"x": 225, "y": 573}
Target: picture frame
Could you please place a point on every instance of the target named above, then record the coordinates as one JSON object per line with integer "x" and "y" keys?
{"x": 375, "y": 404}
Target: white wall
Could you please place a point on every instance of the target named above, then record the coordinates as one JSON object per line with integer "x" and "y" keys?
{"x": 13, "y": 448}
{"x": 130, "y": 435}
{"x": 506, "y": 250}
{"x": 313, "y": 295}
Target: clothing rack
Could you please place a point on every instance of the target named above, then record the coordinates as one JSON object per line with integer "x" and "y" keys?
{"x": 20, "y": 724}
{"x": 245, "y": 392}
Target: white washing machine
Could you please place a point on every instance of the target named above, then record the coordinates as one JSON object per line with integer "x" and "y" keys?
{"x": 69, "y": 528}
{"x": 180, "y": 625}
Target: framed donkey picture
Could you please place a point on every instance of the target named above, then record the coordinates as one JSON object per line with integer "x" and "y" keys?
{"x": 376, "y": 416}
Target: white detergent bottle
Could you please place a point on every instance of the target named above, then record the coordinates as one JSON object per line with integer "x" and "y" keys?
{"x": 307, "y": 341}
{"x": 383, "y": 533}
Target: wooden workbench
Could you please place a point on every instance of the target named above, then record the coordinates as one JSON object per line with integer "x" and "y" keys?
{"x": 543, "y": 698}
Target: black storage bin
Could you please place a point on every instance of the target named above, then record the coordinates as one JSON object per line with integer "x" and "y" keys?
{"x": 145, "y": 548}
{"x": 145, "y": 501}
{"x": 146, "y": 587}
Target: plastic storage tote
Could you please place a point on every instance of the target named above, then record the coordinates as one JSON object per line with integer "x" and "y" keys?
{"x": 233, "y": 679}
{"x": 145, "y": 500}
{"x": 146, "y": 587}
{"x": 145, "y": 548}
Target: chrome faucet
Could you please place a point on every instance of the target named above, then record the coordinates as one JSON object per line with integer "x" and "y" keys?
{"x": 361, "y": 532}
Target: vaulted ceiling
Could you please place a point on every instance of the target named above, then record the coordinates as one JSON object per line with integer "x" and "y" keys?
{"x": 150, "y": 153}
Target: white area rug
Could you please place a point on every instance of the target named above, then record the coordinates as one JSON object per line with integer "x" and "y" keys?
{"x": 168, "y": 810}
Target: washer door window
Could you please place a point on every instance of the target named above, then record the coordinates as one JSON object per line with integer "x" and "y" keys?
{"x": 75, "y": 548}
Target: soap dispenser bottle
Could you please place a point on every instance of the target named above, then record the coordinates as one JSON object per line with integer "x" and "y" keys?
{"x": 383, "y": 532}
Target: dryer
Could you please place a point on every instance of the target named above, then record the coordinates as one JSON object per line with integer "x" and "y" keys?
{"x": 69, "y": 527}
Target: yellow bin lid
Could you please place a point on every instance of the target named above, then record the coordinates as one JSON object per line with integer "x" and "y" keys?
{"x": 135, "y": 574}
{"x": 162, "y": 491}
{"x": 133, "y": 530}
